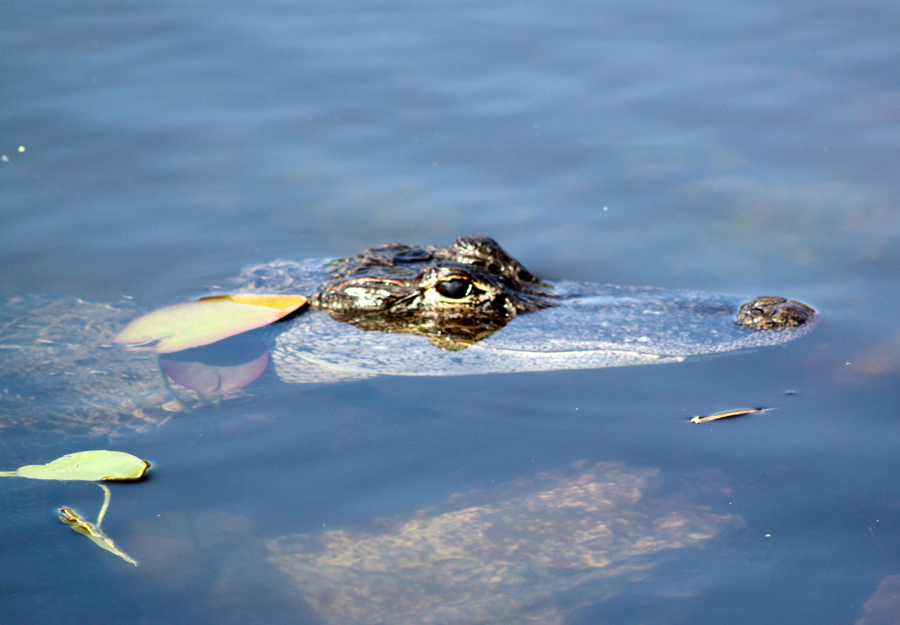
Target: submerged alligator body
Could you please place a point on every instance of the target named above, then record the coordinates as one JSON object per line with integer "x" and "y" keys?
{"x": 466, "y": 308}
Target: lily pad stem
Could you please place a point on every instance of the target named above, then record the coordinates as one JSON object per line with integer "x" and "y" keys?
{"x": 106, "y": 497}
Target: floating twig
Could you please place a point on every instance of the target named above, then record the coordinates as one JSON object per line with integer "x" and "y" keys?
{"x": 730, "y": 413}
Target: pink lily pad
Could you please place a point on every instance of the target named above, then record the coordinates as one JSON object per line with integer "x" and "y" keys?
{"x": 212, "y": 379}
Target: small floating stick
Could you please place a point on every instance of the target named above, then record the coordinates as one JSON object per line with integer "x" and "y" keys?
{"x": 730, "y": 413}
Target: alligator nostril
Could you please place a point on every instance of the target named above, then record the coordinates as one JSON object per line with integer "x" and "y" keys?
{"x": 773, "y": 313}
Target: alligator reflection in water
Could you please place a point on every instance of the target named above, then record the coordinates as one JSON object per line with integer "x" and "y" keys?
{"x": 503, "y": 561}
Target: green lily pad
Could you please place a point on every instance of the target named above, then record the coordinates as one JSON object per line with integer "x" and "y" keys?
{"x": 204, "y": 321}
{"x": 90, "y": 466}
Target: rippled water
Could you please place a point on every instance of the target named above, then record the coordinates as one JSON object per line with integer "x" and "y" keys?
{"x": 154, "y": 149}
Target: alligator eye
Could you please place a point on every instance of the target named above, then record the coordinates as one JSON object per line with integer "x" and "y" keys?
{"x": 454, "y": 289}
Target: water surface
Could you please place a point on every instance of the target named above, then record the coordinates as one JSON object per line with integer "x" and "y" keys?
{"x": 744, "y": 147}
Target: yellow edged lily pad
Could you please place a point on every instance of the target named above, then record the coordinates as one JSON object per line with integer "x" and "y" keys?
{"x": 91, "y": 466}
{"x": 204, "y": 321}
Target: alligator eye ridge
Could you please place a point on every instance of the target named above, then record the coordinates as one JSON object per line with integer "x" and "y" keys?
{"x": 454, "y": 289}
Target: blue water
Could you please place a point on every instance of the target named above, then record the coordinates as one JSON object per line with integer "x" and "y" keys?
{"x": 154, "y": 149}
